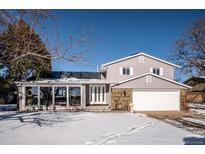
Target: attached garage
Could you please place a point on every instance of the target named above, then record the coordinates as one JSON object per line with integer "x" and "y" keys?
{"x": 156, "y": 100}
{"x": 151, "y": 92}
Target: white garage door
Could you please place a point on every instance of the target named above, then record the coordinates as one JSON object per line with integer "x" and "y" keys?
{"x": 156, "y": 101}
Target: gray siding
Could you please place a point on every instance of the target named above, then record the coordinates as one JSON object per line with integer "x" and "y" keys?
{"x": 156, "y": 83}
{"x": 113, "y": 73}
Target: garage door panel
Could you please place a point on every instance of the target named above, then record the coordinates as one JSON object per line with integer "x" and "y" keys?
{"x": 156, "y": 101}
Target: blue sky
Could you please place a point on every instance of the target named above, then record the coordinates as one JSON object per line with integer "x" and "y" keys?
{"x": 119, "y": 33}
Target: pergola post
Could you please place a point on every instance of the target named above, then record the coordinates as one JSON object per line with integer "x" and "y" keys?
{"x": 67, "y": 95}
{"x": 22, "y": 98}
{"x": 39, "y": 96}
{"x": 53, "y": 96}
{"x": 83, "y": 96}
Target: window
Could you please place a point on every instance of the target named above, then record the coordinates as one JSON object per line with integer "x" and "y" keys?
{"x": 97, "y": 94}
{"x": 74, "y": 96}
{"x": 103, "y": 93}
{"x": 31, "y": 96}
{"x": 60, "y": 96}
{"x": 157, "y": 71}
{"x": 91, "y": 96}
{"x": 126, "y": 71}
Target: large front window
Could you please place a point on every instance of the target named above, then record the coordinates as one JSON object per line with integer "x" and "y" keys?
{"x": 74, "y": 96}
{"x": 46, "y": 96}
{"x": 61, "y": 96}
{"x": 31, "y": 96}
{"x": 97, "y": 94}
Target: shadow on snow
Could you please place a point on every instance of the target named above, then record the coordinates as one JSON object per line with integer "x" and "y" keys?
{"x": 194, "y": 140}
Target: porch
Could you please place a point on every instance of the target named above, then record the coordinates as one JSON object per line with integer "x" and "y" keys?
{"x": 88, "y": 95}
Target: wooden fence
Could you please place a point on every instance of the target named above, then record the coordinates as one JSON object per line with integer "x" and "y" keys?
{"x": 121, "y": 98}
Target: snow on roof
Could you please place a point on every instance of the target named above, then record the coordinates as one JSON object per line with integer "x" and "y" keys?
{"x": 64, "y": 81}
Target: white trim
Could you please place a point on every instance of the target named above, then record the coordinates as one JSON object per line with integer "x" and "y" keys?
{"x": 161, "y": 71}
{"x": 141, "y": 53}
{"x": 120, "y": 70}
{"x": 158, "y": 76}
{"x": 151, "y": 70}
{"x": 131, "y": 70}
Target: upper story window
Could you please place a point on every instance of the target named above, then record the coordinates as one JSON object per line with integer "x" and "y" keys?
{"x": 126, "y": 71}
{"x": 158, "y": 71}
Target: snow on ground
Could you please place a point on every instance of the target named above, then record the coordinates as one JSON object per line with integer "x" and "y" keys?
{"x": 197, "y": 105}
{"x": 199, "y": 111}
{"x": 197, "y": 108}
{"x": 199, "y": 121}
{"x": 88, "y": 128}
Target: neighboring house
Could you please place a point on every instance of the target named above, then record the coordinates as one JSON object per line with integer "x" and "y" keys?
{"x": 197, "y": 93}
{"x": 140, "y": 82}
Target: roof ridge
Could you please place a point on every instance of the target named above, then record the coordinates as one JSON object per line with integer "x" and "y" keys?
{"x": 140, "y": 53}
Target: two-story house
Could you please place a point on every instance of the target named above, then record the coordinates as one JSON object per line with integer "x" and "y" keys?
{"x": 146, "y": 81}
{"x": 151, "y": 80}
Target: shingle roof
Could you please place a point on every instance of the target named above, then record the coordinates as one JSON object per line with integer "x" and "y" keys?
{"x": 78, "y": 75}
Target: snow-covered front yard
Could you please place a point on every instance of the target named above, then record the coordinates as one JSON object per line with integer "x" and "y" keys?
{"x": 88, "y": 128}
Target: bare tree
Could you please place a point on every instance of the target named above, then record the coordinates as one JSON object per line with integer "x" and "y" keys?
{"x": 190, "y": 49}
{"x": 22, "y": 52}
{"x": 32, "y": 17}
{"x": 74, "y": 49}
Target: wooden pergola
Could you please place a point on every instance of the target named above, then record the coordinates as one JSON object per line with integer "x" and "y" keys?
{"x": 67, "y": 83}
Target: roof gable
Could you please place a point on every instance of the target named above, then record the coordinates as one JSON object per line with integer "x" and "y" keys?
{"x": 139, "y": 54}
{"x": 154, "y": 75}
